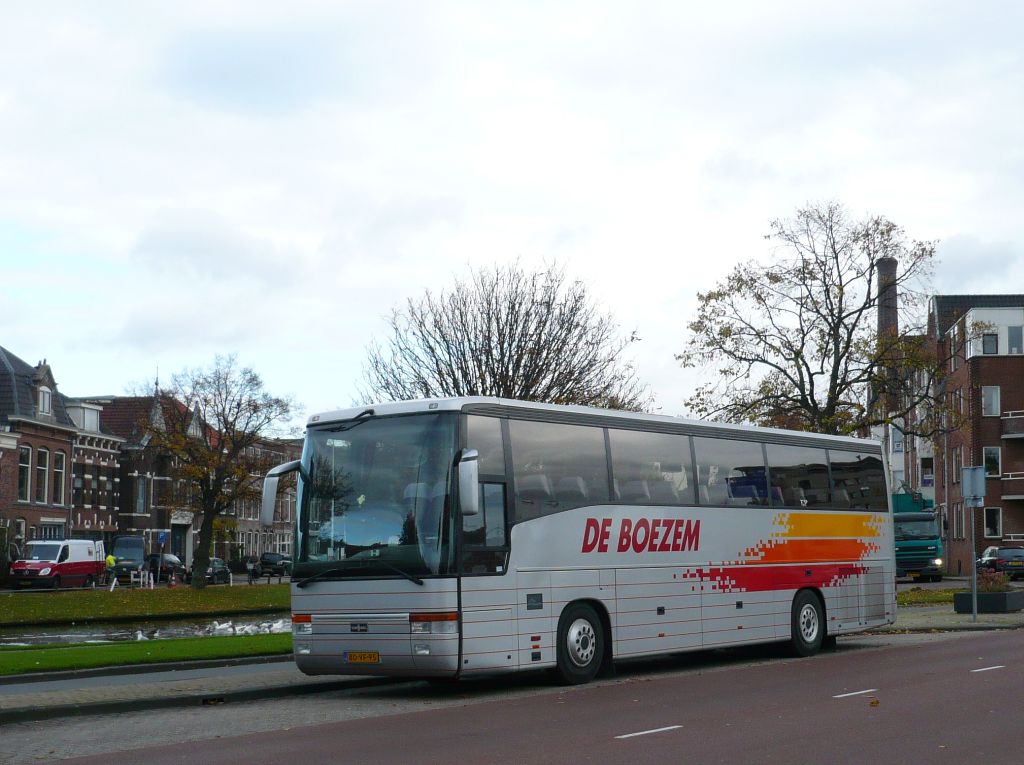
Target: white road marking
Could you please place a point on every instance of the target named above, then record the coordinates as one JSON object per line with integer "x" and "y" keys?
{"x": 646, "y": 732}
{"x": 986, "y": 669}
{"x": 855, "y": 693}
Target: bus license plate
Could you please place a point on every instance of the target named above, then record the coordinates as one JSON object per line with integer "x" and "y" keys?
{"x": 362, "y": 657}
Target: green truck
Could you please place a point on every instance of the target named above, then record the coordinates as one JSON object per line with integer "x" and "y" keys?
{"x": 919, "y": 550}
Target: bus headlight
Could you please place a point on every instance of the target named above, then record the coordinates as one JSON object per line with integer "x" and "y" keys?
{"x": 444, "y": 623}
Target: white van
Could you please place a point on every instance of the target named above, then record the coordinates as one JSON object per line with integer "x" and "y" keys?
{"x": 53, "y": 563}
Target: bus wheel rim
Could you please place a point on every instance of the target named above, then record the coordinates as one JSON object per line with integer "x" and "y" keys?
{"x": 808, "y": 623}
{"x": 581, "y": 642}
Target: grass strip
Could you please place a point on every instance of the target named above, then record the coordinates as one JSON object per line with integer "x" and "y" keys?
{"x": 61, "y": 658}
{"x": 917, "y": 596}
{"x": 101, "y": 605}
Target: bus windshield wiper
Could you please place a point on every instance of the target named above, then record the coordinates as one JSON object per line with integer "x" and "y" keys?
{"x": 319, "y": 575}
{"x": 331, "y": 571}
{"x": 411, "y": 577}
{"x": 357, "y": 420}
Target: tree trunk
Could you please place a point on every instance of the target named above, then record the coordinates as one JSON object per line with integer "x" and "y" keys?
{"x": 201, "y": 557}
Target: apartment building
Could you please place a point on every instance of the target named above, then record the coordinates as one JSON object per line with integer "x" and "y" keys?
{"x": 982, "y": 336}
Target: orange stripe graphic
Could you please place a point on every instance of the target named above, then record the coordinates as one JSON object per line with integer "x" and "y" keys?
{"x": 828, "y": 525}
{"x": 809, "y": 551}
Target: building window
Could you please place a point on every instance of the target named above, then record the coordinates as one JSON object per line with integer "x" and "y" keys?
{"x": 989, "y": 343}
{"x": 1015, "y": 339}
{"x": 140, "y": 495}
{"x": 51, "y": 531}
{"x": 42, "y": 474}
{"x": 958, "y": 462}
{"x": 993, "y": 523}
{"x": 78, "y": 484}
{"x": 58, "y": 478}
{"x": 24, "y": 472}
{"x": 993, "y": 463}
{"x": 45, "y": 400}
{"x": 990, "y": 400}
{"x": 927, "y": 471}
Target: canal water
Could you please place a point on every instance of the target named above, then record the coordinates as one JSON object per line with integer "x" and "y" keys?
{"x": 156, "y": 630}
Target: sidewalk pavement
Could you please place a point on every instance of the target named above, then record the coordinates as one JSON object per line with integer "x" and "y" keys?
{"x": 60, "y": 694}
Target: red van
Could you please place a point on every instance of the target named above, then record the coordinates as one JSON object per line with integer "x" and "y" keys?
{"x": 53, "y": 563}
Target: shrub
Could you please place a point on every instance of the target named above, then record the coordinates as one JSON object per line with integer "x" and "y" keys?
{"x": 992, "y": 581}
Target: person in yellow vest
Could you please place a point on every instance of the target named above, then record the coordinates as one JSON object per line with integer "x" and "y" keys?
{"x": 111, "y": 560}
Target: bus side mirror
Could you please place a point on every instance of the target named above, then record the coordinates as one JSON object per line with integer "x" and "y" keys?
{"x": 270, "y": 489}
{"x": 469, "y": 482}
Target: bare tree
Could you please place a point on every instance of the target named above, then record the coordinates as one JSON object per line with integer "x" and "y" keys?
{"x": 505, "y": 332}
{"x": 795, "y": 341}
{"x": 209, "y": 422}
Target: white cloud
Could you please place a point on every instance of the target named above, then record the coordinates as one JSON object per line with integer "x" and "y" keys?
{"x": 181, "y": 181}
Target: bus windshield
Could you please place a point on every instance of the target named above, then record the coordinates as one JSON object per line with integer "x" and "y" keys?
{"x": 925, "y": 529}
{"x": 372, "y": 499}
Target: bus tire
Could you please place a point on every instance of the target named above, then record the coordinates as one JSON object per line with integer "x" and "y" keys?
{"x": 808, "y": 624}
{"x": 581, "y": 644}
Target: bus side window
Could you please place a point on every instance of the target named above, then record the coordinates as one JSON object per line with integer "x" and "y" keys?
{"x": 484, "y": 545}
{"x": 858, "y": 481}
{"x": 800, "y": 473}
{"x": 557, "y": 467}
{"x": 651, "y": 468}
{"x": 730, "y": 472}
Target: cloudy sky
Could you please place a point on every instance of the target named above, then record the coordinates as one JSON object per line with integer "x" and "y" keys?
{"x": 268, "y": 179}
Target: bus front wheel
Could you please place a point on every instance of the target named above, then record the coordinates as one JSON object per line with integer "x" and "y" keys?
{"x": 581, "y": 647}
{"x": 808, "y": 628}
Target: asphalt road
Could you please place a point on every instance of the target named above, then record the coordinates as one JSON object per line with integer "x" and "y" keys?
{"x": 934, "y": 698}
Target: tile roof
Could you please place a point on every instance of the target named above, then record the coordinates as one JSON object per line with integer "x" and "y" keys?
{"x": 126, "y": 416}
{"x": 18, "y": 398}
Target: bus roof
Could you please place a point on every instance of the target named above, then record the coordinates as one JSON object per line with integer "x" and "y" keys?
{"x": 571, "y": 413}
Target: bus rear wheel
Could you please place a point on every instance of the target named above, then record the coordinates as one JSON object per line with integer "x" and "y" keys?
{"x": 808, "y": 624}
{"x": 580, "y": 647}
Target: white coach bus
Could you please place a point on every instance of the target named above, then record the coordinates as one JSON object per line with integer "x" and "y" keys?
{"x": 451, "y": 538}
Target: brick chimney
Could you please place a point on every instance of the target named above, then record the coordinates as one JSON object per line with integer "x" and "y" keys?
{"x": 888, "y": 318}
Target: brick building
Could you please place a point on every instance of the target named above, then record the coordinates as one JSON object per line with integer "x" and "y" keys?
{"x": 36, "y": 476}
{"x": 58, "y": 468}
{"x": 983, "y": 338}
{"x": 152, "y": 501}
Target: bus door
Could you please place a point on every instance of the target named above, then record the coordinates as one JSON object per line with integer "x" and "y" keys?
{"x": 489, "y": 639}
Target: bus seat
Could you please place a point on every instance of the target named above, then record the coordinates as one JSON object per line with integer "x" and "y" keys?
{"x": 718, "y": 494}
{"x": 636, "y": 491}
{"x": 795, "y": 497}
{"x": 744, "y": 494}
{"x": 841, "y": 497}
{"x": 663, "y": 492}
{"x": 571, "y": 489}
{"x": 777, "y": 495}
{"x": 534, "y": 487}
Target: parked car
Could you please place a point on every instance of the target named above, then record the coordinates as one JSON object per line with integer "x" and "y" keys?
{"x": 273, "y": 564}
{"x": 169, "y": 565}
{"x": 1005, "y": 560}
{"x": 217, "y": 573}
{"x": 51, "y": 563}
